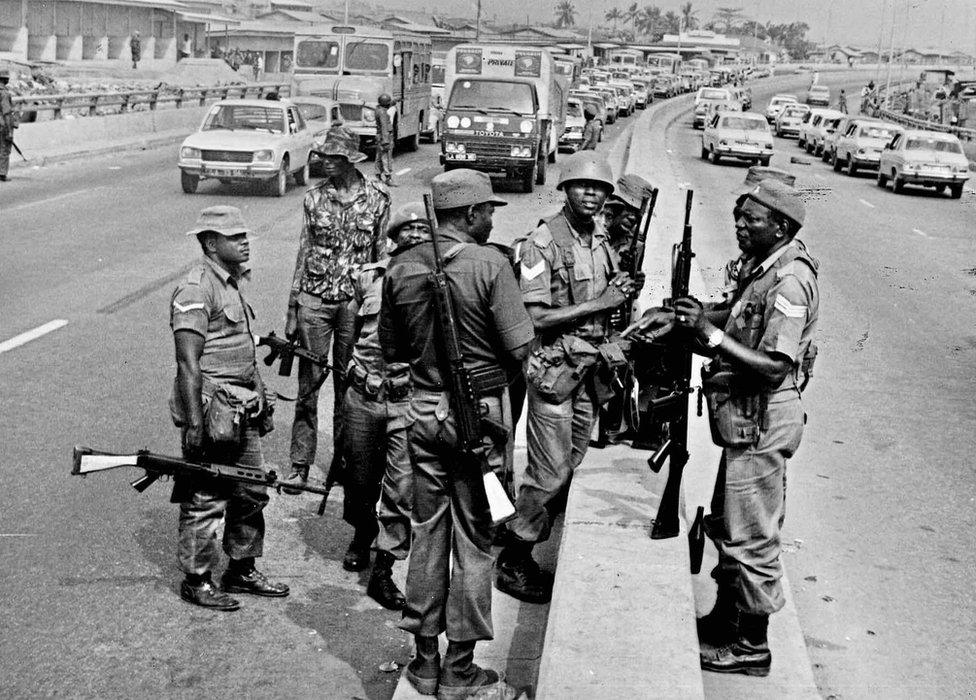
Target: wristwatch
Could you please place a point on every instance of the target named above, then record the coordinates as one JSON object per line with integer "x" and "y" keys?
{"x": 715, "y": 338}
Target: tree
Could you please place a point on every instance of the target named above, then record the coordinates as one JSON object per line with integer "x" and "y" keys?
{"x": 688, "y": 17}
{"x": 728, "y": 16}
{"x": 631, "y": 15}
{"x": 672, "y": 22}
{"x": 649, "y": 21}
{"x": 614, "y": 15}
{"x": 565, "y": 14}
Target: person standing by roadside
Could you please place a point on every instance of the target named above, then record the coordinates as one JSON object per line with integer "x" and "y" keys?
{"x": 384, "y": 139}
{"x": 8, "y": 122}
{"x": 186, "y": 48}
{"x": 135, "y": 49}
{"x": 591, "y": 133}
{"x": 345, "y": 222}
{"x": 215, "y": 360}
{"x": 375, "y": 417}
{"x": 842, "y": 102}
{"x": 570, "y": 284}
{"x": 450, "y": 509}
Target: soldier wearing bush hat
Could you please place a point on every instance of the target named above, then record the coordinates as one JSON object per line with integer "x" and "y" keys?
{"x": 8, "y": 122}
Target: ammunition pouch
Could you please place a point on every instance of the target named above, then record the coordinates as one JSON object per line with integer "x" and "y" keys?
{"x": 612, "y": 366}
{"x": 735, "y": 414}
{"x": 489, "y": 381}
{"x": 395, "y": 386}
{"x": 227, "y": 412}
{"x": 555, "y": 371}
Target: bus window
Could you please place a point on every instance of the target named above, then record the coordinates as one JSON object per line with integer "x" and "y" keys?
{"x": 318, "y": 54}
{"x": 367, "y": 55}
{"x": 437, "y": 75}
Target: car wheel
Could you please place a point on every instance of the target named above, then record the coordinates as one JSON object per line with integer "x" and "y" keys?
{"x": 800, "y": 142}
{"x": 955, "y": 190}
{"x": 764, "y": 162}
{"x": 715, "y": 157}
{"x": 278, "y": 185}
{"x": 528, "y": 179}
{"x": 897, "y": 183}
{"x": 835, "y": 162}
{"x": 301, "y": 176}
{"x": 704, "y": 152}
{"x": 882, "y": 180}
{"x": 540, "y": 172}
{"x": 189, "y": 182}
{"x": 850, "y": 169}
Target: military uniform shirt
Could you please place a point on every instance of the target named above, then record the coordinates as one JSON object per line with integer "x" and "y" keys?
{"x": 337, "y": 238}
{"x": 367, "y": 352}
{"x": 778, "y": 308}
{"x": 492, "y": 321}
{"x": 544, "y": 279}
{"x": 208, "y": 302}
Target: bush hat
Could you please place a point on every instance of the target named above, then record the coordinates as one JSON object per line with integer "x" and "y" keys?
{"x": 222, "y": 219}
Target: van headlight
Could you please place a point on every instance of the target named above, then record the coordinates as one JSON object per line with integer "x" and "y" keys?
{"x": 189, "y": 153}
{"x": 265, "y": 156}
{"x": 369, "y": 114}
{"x": 465, "y": 122}
{"x": 526, "y": 126}
{"x": 453, "y": 122}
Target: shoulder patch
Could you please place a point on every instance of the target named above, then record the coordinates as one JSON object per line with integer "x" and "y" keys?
{"x": 530, "y": 273}
{"x": 184, "y": 308}
{"x": 789, "y": 309}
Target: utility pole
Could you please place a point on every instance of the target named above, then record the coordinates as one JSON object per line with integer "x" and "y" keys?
{"x": 877, "y": 70}
{"x": 891, "y": 51}
{"x": 345, "y": 15}
{"x": 477, "y": 23}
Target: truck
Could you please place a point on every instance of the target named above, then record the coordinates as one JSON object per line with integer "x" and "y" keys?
{"x": 506, "y": 111}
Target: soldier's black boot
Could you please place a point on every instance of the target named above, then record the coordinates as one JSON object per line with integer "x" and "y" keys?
{"x": 461, "y": 677}
{"x": 424, "y": 670}
{"x": 719, "y": 627}
{"x": 356, "y": 557}
{"x": 381, "y": 587}
{"x": 519, "y": 576}
{"x": 748, "y": 654}
{"x": 297, "y": 477}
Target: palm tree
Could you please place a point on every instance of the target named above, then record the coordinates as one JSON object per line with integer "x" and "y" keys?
{"x": 565, "y": 13}
{"x": 614, "y": 15}
{"x": 728, "y": 16}
{"x": 672, "y": 22}
{"x": 649, "y": 20}
{"x": 631, "y": 15}
{"x": 688, "y": 16}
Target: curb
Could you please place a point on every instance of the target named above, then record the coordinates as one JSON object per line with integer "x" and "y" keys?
{"x": 141, "y": 144}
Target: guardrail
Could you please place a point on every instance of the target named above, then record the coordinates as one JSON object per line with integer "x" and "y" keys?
{"x": 122, "y": 101}
{"x": 964, "y": 133}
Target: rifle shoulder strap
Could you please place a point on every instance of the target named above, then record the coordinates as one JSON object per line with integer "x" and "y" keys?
{"x": 562, "y": 236}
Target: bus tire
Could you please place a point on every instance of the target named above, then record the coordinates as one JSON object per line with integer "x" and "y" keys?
{"x": 528, "y": 178}
{"x": 540, "y": 172}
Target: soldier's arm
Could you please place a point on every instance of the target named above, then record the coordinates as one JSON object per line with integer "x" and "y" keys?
{"x": 546, "y": 317}
{"x": 189, "y": 382}
{"x": 291, "y": 319}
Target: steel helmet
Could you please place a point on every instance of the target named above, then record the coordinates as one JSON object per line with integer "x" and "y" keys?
{"x": 384, "y": 100}
{"x": 587, "y": 166}
{"x": 406, "y": 214}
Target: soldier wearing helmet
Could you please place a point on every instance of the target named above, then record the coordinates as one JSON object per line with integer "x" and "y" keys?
{"x": 8, "y": 122}
{"x": 385, "y": 114}
{"x": 570, "y": 285}
{"x": 375, "y": 416}
{"x": 591, "y": 132}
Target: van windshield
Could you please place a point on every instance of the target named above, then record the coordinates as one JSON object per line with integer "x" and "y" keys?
{"x": 492, "y": 94}
{"x": 708, "y": 94}
{"x": 574, "y": 109}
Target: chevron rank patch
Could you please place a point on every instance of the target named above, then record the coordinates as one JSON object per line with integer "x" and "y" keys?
{"x": 182, "y": 309}
{"x": 530, "y": 273}
{"x": 788, "y": 309}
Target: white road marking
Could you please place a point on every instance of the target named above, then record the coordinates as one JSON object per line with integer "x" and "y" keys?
{"x": 64, "y": 195}
{"x": 866, "y": 203}
{"x": 398, "y": 173}
{"x": 921, "y": 233}
{"x": 24, "y": 338}
{"x": 17, "y": 534}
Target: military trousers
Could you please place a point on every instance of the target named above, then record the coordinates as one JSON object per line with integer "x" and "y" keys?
{"x": 450, "y": 519}
{"x": 5, "y": 148}
{"x": 320, "y": 324}
{"x": 377, "y": 468}
{"x": 205, "y": 502}
{"x": 748, "y": 509}
{"x": 384, "y": 163}
{"x": 558, "y": 435}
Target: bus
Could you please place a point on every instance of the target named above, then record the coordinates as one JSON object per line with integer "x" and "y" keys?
{"x": 625, "y": 57}
{"x": 354, "y": 65}
{"x": 667, "y": 62}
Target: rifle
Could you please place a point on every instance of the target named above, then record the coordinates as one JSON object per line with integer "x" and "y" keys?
{"x": 675, "y": 404}
{"x": 88, "y": 461}
{"x": 637, "y": 245}
{"x": 19, "y": 152}
{"x": 465, "y": 385}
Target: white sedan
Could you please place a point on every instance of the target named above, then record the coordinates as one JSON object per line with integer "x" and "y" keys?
{"x": 927, "y": 158}
{"x": 742, "y": 135}
{"x": 776, "y": 105}
{"x": 246, "y": 141}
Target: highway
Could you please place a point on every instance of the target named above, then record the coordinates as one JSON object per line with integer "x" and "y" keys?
{"x": 881, "y": 509}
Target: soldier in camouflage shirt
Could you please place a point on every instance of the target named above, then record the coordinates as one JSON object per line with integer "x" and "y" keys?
{"x": 345, "y": 225}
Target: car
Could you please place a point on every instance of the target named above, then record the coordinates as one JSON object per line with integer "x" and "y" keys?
{"x": 705, "y": 111}
{"x": 814, "y": 126}
{"x": 609, "y": 98}
{"x": 642, "y": 95}
{"x": 926, "y": 158}
{"x": 818, "y": 95}
{"x": 572, "y": 138}
{"x": 263, "y": 141}
{"x": 593, "y": 102}
{"x": 743, "y": 135}
{"x": 626, "y": 92}
{"x": 321, "y": 114}
{"x": 787, "y": 122}
{"x": 831, "y": 136}
{"x": 776, "y": 104}
{"x": 704, "y": 101}
{"x": 860, "y": 146}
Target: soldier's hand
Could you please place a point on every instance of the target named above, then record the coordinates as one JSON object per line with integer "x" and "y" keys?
{"x": 618, "y": 291}
{"x": 193, "y": 438}
{"x": 291, "y": 323}
{"x": 657, "y": 321}
{"x": 639, "y": 280}
{"x": 689, "y": 313}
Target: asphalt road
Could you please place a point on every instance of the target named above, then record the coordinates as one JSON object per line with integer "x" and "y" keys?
{"x": 880, "y": 511}
{"x": 90, "y": 604}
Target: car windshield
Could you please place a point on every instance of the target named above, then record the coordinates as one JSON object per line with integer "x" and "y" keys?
{"x": 491, "y": 94}
{"x": 745, "y": 123}
{"x": 246, "y": 118}
{"x": 312, "y": 111}
{"x": 711, "y": 94}
{"x": 366, "y": 55}
{"x": 317, "y": 54}
{"x": 877, "y": 132}
{"x": 921, "y": 143}
{"x": 574, "y": 109}
{"x": 794, "y": 111}
{"x": 782, "y": 100}
{"x": 819, "y": 90}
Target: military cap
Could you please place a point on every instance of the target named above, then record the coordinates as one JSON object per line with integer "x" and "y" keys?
{"x": 630, "y": 190}
{"x": 779, "y": 197}
{"x": 222, "y": 219}
{"x": 462, "y": 188}
{"x": 758, "y": 173}
{"x": 406, "y": 214}
{"x": 339, "y": 141}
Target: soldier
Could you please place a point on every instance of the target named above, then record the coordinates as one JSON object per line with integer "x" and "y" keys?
{"x": 384, "y": 139}
{"x": 376, "y": 427}
{"x": 450, "y": 509}
{"x": 345, "y": 223}
{"x": 8, "y": 122}
{"x": 570, "y": 284}
{"x": 591, "y": 132}
{"x": 215, "y": 356}
{"x": 765, "y": 346}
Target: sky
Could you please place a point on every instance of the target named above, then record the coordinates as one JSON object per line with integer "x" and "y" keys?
{"x": 918, "y": 23}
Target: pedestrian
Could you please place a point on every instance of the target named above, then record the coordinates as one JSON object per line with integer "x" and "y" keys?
{"x": 385, "y": 113}
{"x": 215, "y": 359}
{"x": 375, "y": 416}
{"x": 450, "y": 510}
{"x": 344, "y": 228}
{"x": 186, "y": 49}
{"x": 842, "y": 102}
{"x": 762, "y": 349}
{"x": 259, "y": 67}
{"x": 8, "y": 122}
{"x": 591, "y": 133}
{"x": 570, "y": 284}
{"x": 135, "y": 48}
